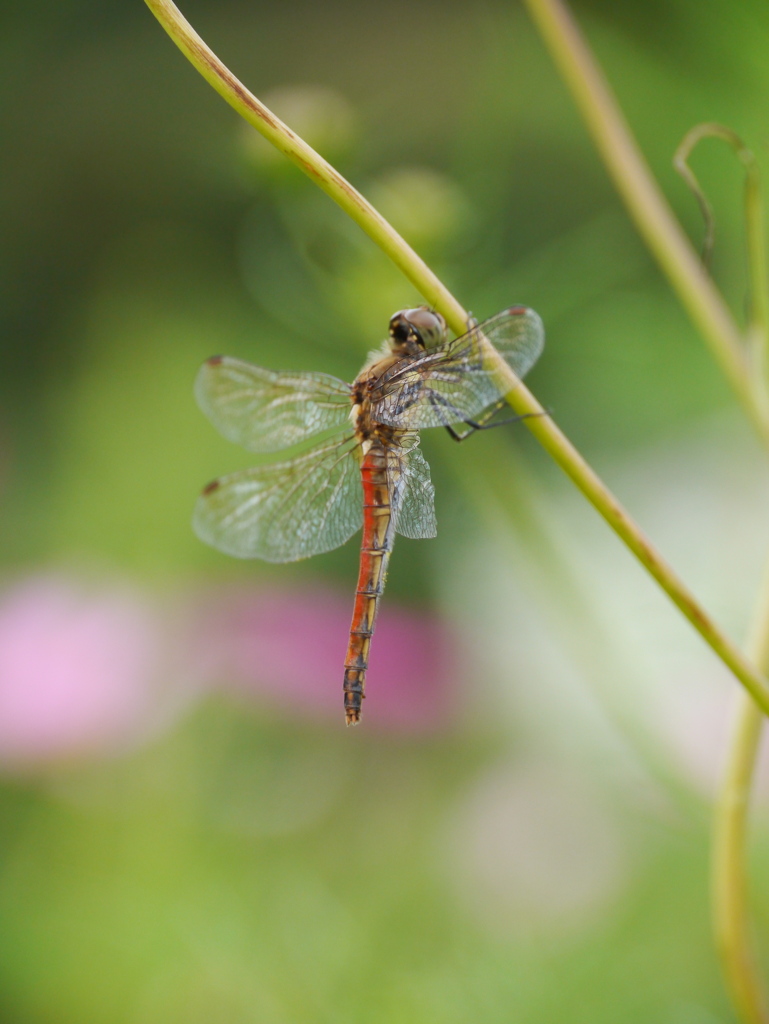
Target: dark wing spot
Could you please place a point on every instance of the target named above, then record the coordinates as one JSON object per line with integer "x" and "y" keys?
{"x": 517, "y": 310}
{"x": 210, "y": 488}
{"x": 214, "y": 360}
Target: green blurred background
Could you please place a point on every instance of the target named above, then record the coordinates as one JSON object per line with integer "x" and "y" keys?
{"x": 519, "y": 829}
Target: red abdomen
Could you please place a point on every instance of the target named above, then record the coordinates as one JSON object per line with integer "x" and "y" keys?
{"x": 378, "y": 535}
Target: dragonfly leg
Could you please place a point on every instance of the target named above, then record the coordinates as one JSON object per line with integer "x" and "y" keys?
{"x": 462, "y": 436}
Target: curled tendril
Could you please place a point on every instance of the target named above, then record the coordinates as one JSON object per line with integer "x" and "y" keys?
{"x": 759, "y": 304}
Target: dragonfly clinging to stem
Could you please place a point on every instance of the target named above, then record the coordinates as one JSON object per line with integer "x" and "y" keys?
{"x": 369, "y": 470}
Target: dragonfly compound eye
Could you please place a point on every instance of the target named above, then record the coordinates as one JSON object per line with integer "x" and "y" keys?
{"x": 422, "y": 325}
{"x": 400, "y": 329}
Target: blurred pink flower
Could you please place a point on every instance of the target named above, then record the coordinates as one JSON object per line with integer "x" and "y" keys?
{"x": 76, "y": 669}
{"x": 289, "y": 648}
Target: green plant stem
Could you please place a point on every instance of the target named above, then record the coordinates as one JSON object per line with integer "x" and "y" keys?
{"x": 648, "y": 207}
{"x": 518, "y": 396}
{"x": 728, "y": 880}
{"x": 728, "y": 876}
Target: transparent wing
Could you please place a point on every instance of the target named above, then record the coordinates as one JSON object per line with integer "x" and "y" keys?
{"x": 518, "y": 334}
{"x": 288, "y": 510}
{"x": 266, "y": 411}
{"x": 450, "y": 383}
{"x": 412, "y": 493}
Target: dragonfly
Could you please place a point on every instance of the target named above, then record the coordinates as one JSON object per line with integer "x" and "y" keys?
{"x": 367, "y": 470}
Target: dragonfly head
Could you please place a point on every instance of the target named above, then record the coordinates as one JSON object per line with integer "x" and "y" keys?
{"x": 414, "y": 330}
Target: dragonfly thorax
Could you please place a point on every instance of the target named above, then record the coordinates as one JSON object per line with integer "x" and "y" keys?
{"x": 368, "y": 429}
{"x": 414, "y": 330}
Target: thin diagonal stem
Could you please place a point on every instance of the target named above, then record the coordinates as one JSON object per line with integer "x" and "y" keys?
{"x": 519, "y": 397}
{"x": 648, "y": 207}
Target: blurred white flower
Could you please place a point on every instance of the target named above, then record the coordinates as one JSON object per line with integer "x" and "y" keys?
{"x": 532, "y": 849}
